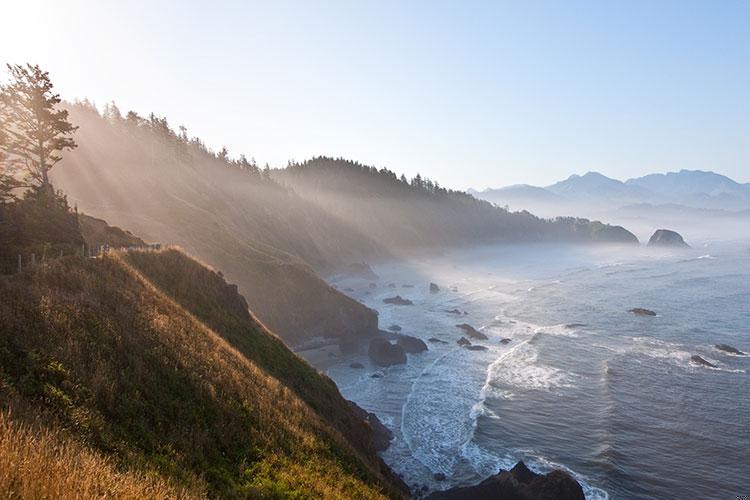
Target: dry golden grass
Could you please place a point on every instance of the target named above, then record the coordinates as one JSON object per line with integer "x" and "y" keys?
{"x": 140, "y": 373}
{"x": 36, "y": 462}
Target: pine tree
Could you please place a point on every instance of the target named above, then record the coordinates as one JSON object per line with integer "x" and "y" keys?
{"x": 34, "y": 131}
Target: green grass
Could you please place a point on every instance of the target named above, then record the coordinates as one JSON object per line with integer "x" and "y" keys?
{"x": 152, "y": 359}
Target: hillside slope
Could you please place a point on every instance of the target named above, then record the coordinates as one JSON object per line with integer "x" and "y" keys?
{"x": 418, "y": 214}
{"x": 139, "y": 175}
{"x": 152, "y": 360}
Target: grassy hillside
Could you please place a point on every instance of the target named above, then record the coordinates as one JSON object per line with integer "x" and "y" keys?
{"x": 150, "y": 359}
{"x": 138, "y": 174}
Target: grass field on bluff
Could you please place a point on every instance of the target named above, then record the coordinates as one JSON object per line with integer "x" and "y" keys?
{"x": 148, "y": 364}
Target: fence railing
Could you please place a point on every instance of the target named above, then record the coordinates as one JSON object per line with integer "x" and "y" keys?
{"x": 32, "y": 259}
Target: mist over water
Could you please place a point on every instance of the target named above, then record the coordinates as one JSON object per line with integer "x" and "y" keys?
{"x": 583, "y": 384}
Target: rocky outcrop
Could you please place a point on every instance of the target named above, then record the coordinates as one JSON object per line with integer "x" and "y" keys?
{"x": 381, "y": 436}
{"x": 434, "y": 288}
{"x": 471, "y": 331}
{"x": 639, "y": 311}
{"x": 667, "y": 238}
{"x": 383, "y": 353}
{"x": 398, "y": 300}
{"x": 700, "y": 361}
{"x": 360, "y": 270}
{"x": 729, "y": 349}
{"x": 412, "y": 345}
{"x": 519, "y": 483}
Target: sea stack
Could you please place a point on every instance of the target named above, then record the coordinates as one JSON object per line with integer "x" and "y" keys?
{"x": 667, "y": 238}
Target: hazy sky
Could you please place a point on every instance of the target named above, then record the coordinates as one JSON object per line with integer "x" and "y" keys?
{"x": 468, "y": 93}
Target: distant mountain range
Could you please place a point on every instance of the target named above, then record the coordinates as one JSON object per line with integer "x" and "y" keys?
{"x": 688, "y": 188}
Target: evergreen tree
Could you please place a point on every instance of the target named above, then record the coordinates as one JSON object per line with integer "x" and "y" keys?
{"x": 34, "y": 131}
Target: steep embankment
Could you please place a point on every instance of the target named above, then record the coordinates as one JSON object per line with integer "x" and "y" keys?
{"x": 139, "y": 175}
{"x": 152, "y": 361}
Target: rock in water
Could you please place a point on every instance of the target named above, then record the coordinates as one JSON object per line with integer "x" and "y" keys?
{"x": 398, "y": 300}
{"x": 639, "y": 311}
{"x": 384, "y": 353}
{"x": 667, "y": 238}
{"x": 519, "y": 483}
{"x": 471, "y": 331}
{"x": 434, "y": 288}
{"x": 394, "y": 328}
{"x": 412, "y": 345}
{"x": 463, "y": 341}
{"x": 476, "y": 347}
{"x": 357, "y": 366}
{"x": 436, "y": 340}
{"x": 729, "y": 349}
{"x": 700, "y": 361}
{"x": 506, "y": 341}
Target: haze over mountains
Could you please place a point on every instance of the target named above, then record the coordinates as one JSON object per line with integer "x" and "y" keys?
{"x": 688, "y": 198}
{"x": 273, "y": 231}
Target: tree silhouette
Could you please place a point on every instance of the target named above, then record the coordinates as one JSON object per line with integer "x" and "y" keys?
{"x": 33, "y": 131}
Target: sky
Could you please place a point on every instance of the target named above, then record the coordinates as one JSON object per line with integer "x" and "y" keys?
{"x": 471, "y": 94}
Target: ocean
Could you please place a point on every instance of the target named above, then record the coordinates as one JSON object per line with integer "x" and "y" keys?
{"x": 582, "y": 384}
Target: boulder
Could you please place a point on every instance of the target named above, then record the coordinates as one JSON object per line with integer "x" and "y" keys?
{"x": 412, "y": 345}
{"x": 700, "y": 361}
{"x": 506, "y": 341}
{"x": 384, "y": 353}
{"x": 398, "y": 300}
{"x": 381, "y": 436}
{"x": 729, "y": 349}
{"x": 471, "y": 331}
{"x": 519, "y": 483}
{"x": 667, "y": 238}
{"x": 639, "y": 311}
{"x": 360, "y": 270}
{"x": 434, "y": 288}
{"x": 463, "y": 341}
{"x": 376, "y": 375}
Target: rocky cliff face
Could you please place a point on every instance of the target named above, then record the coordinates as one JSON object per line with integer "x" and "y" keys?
{"x": 519, "y": 483}
{"x": 667, "y": 238}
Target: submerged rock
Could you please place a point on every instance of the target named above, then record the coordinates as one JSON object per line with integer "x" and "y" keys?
{"x": 463, "y": 341}
{"x": 700, "y": 361}
{"x": 729, "y": 349}
{"x": 639, "y": 311}
{"x": 471, "y": 331}
{"x": 394, "y": 328}
{"x": 519, "y": 483}
{"x": 457, "y": 312}
{"x": 570, "y": 326}
{"x": 667, "y": 238}
{"x": 391, "y": 285}
{"x": 384, "y": 353}
{"x": 434, "y": 288}
{"x": 398, "y": 300}
{"x": 412, "y": 345}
